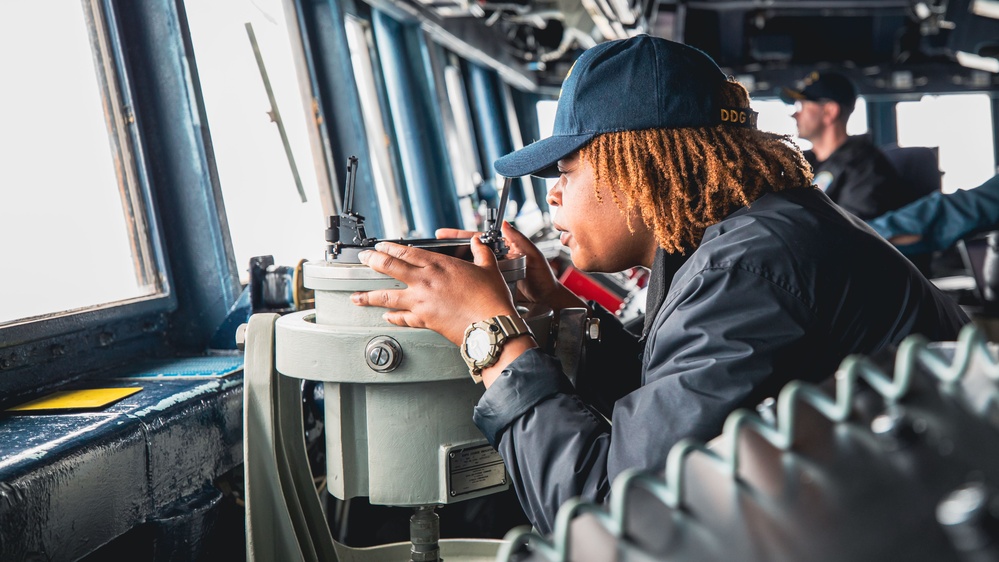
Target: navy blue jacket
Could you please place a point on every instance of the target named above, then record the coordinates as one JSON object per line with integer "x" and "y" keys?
{"x": 861, "y": 179}
{"x": 784, "y": 289}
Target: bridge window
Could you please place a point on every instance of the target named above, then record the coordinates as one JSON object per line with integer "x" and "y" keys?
{"x": 73, "y": 223}
{"x": 271, "y": 197}
{"x": 961, "y": 126}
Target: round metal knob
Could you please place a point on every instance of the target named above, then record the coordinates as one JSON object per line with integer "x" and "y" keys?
{"x": 383, "y": 354}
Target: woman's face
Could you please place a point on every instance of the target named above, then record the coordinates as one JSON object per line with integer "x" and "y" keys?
{"x": 596, "y": 231}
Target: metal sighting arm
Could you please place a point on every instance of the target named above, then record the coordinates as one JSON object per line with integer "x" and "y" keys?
{"x": 345, "y": 235}
{"x": 492, "y": 236}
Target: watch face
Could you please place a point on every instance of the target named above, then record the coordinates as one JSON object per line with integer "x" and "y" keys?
{"x": 477, "y": 344}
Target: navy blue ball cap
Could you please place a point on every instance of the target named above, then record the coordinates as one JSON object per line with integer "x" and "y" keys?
{"x": 625, "y": 85}
{"x": 823, "y": 86}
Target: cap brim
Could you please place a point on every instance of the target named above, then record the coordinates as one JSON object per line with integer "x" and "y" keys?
{"x": 788, "y": 95}
{"x": 540, "y": 158}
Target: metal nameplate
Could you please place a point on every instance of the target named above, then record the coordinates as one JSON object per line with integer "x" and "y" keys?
{"x": 471, "y": 469}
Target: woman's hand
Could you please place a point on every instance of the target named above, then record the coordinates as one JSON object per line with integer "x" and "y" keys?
{"x": 442, "y": 293}
{"x": 539, "y": 283}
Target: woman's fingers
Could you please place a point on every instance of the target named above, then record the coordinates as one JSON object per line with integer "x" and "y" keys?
{"x": 442, "y": 293}
{"x": 520, "y": 243}
{"x": 396, "y": 260}
{"x": 482, "y": 254}
{"x": 404, "y": 263}
{"x": 514, "y": 235}
{"x": 385, "y": 298}
{"x": 404, "y": 318}
{"x": 455, "y": 233}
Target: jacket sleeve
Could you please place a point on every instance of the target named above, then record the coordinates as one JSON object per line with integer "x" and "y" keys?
{"x": 942, "y": 219}
{"x": 715, "y": 341}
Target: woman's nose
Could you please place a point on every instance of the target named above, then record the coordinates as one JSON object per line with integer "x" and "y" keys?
{"x": 554, "y": 197}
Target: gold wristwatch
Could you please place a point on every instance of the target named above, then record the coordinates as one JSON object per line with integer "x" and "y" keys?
{"x": 484, "y": 341}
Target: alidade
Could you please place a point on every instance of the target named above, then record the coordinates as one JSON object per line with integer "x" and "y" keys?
{"x": 345, "y": 236}
{"x": 398, "y": 400}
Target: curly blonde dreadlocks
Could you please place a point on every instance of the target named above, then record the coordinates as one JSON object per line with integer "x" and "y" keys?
{"x": 685, "y": 180}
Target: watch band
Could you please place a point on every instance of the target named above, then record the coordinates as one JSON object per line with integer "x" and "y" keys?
{"x": 512, "y": 326}
{"x": 502, "y": 328}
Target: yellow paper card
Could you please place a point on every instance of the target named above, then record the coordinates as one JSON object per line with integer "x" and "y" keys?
{"x": 76, "y": 399}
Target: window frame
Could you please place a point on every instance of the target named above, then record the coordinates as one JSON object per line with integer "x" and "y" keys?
{"x": 127, "y": 150}
{"x": 157, "y": 122}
